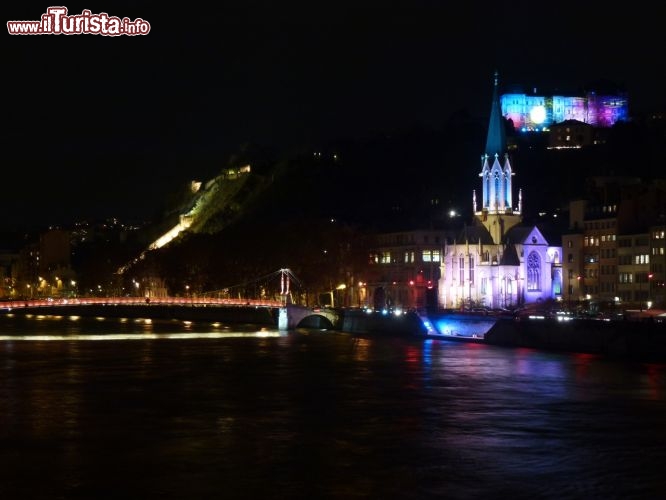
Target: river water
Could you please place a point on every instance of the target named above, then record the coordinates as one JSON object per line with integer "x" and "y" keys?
{"x": 103, "y": 409}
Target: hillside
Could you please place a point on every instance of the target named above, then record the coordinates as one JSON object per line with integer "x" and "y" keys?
{"x": 309, "y": 210}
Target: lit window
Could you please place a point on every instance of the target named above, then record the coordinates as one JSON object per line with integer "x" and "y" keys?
{"x": 461, "y": 262}
{"x": 533, "y": 272}
{"x": 471, "y": 269}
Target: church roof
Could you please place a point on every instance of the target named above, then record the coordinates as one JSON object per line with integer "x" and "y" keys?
{"x": 510, "y": 256}
{"x": 552, "y": 232}
{"x": 474, "y": 234}
{"x": 496, "y": 140}
{"x": 517, "y": 234}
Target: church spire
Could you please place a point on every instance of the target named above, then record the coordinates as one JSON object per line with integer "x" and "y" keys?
{"x": 496, "y": 141}
{"x": 497, "y": 213}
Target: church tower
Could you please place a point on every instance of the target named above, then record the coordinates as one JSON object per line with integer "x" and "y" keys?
{"x": 497, "y": 212}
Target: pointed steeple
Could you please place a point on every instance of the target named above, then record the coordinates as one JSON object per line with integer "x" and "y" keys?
{"x": 496, "y": 141}
{"x": 497, "y": 213}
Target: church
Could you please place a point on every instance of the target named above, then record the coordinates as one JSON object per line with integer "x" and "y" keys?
{"x": 497, "y": 262}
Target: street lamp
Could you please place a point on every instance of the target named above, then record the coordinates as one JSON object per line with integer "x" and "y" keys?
{"x": 649, "y": 301}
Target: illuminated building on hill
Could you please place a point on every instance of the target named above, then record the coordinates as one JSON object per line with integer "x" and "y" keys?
{"x": 534, "y": 112}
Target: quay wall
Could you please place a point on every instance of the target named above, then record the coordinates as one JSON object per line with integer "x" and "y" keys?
{"x": 385, "y": 325}
{"x": 627, "y": 339}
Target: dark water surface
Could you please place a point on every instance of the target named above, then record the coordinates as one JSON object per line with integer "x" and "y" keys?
{"x": 109, "y": 410}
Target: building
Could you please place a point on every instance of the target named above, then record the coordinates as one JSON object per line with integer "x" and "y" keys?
{"x": 7, "y": 281}
{"x": 404, "y": 270}
{"x": 534, "y": 112}
{"x": 634, "y": 270}
{"x": 495, "y": 262}
{"x": 657, "y": 276}
{"x": 614, "y": 248}
{"x": 574, "y": 134}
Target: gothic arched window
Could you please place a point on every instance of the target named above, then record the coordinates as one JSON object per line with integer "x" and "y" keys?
{"x": 498, "y": 190}
{"x": 533, "y": 272}
{"x": 461, "y": 262}
{"x": 471, "y": 269}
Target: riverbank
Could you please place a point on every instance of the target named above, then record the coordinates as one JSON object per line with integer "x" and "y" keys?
{"x": 635, "y": 340}
{"x": 628, "y": 339}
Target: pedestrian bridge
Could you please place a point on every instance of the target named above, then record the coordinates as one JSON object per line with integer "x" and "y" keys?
{"x": 268, "y": 312}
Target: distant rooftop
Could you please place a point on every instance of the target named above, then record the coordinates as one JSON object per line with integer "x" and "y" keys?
{"x": 599, "y": 87}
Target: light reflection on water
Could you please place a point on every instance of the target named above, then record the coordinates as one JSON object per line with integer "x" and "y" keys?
{"x": 204, "y": 411}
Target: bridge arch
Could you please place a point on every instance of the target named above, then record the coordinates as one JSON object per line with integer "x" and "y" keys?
{"x": 293, "y": 316}
{"x": 315, "y": 321}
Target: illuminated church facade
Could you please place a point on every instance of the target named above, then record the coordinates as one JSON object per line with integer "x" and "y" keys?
{"x": 498, "y": 262}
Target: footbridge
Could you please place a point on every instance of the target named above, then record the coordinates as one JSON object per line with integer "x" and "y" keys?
{"x": 264, "y": 312}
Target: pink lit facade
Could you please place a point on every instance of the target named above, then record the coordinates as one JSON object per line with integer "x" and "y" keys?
{"x": 531, "y": 112}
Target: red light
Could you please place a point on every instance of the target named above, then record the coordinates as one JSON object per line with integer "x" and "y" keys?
{"x": 650, "y": 276}
{"x": 411, "y": 282}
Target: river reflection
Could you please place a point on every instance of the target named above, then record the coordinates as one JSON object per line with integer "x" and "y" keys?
{"x": 110, "y": 409}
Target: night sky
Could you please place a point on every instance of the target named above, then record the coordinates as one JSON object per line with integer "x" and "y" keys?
{"x": 99, "y": 126}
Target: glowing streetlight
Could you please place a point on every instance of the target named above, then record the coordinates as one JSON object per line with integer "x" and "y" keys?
{"x": 649, "y": 301}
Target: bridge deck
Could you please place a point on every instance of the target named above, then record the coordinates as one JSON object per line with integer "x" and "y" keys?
{"x": 137, "y": 301}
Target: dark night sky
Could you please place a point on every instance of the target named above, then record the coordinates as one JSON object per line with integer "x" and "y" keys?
{"x": 99, "y": 126}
